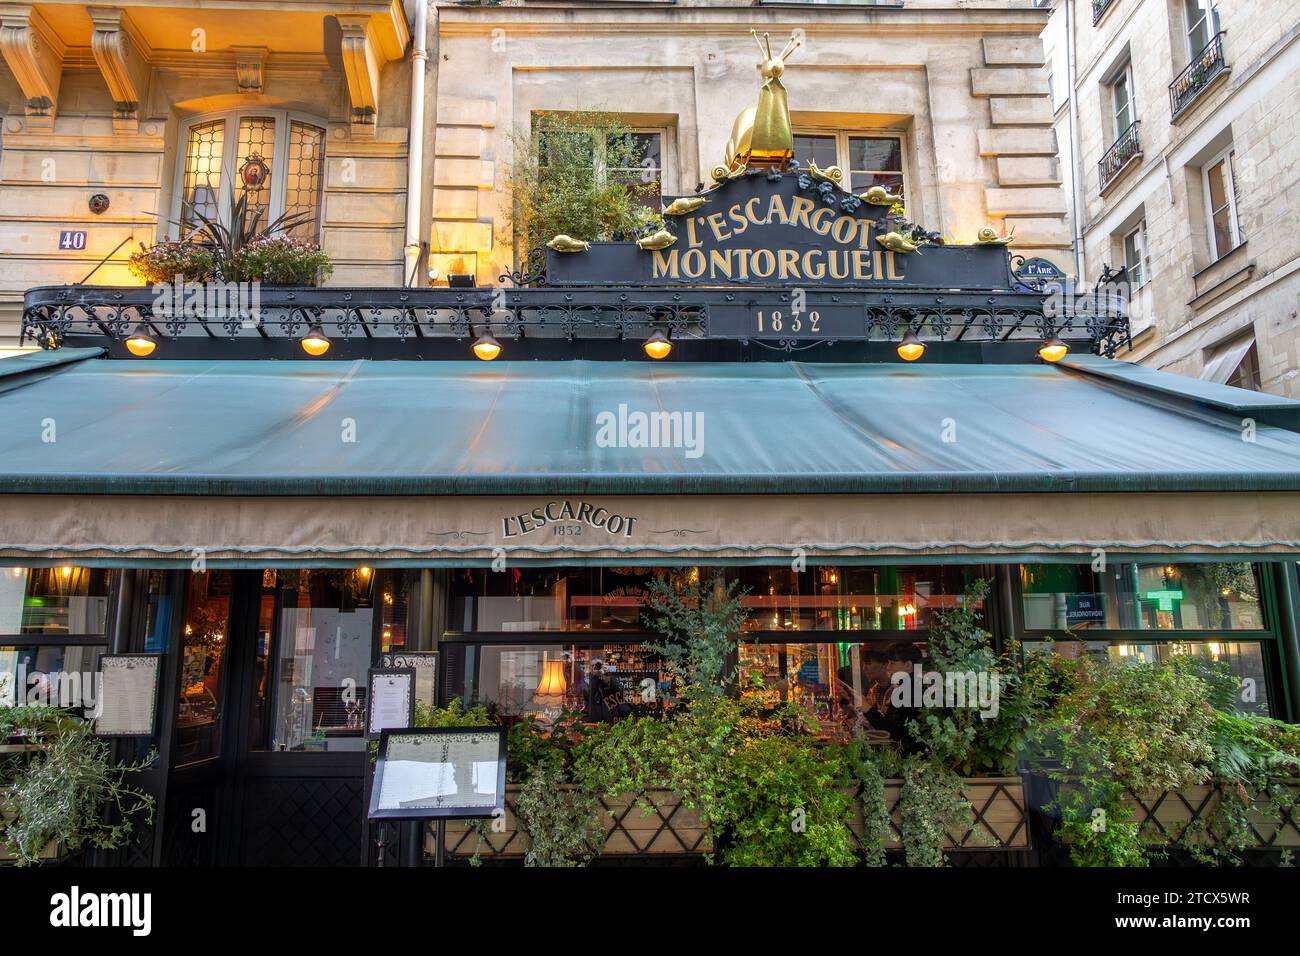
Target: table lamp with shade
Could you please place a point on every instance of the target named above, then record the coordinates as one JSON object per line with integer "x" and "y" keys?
{"x": 551, "y": 689}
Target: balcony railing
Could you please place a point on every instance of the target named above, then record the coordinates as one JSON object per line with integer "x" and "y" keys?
{"x": 1204, "y": 69}
{"x": 1123, "y": 151}
{"x": 1098, "y": 8}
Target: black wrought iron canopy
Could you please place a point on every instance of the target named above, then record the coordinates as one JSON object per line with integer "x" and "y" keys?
{"x": 388, "y": 320}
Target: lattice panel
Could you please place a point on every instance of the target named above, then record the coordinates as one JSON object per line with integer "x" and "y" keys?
{"x": 1186, "y": 817}
{"x": 998, "y": 819}
{"x": 656, "y": 824}
{"x": 302, "y": 821}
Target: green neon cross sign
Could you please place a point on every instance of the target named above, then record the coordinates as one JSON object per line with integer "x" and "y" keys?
{"x": 1165, "y": 599}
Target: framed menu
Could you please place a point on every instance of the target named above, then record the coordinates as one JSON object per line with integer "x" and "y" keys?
{"x": 128, "y": 695}
{"x": 390, "y": 704}
{"x": 439, "y": 773}
{"x": 425, "y": 665}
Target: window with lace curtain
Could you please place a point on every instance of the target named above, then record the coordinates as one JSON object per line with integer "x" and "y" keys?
{"x": 273, "y": 158}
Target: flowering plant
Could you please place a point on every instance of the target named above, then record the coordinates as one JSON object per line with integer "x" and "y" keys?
{"x": 281, "y": 260}
{"x": 164, "y": 261}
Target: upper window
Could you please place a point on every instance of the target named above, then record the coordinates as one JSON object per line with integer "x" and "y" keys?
{"x": 274, "y": 159}
{"x": 1202, "y": 24}
{"x": 1121, "y": 93}
{"x": 868, "y": 160}
{"x": 1234, "y": 363}
{"x": 1221, "y": 201}
{"x": 1135, "y": 255}
{"x": 613, "y": 157}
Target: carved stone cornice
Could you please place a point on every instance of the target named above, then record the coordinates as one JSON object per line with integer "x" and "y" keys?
{"x": 35, "y": 55}
{"x": 367, "y": 43}
{"x": 122, "y": 62}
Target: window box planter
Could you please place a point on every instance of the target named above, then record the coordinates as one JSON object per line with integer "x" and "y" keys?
{"x": 999, "y": 817}
{"x": 9, "y": 747}
{"x": 667, "y": 828}
{"x": 999, "y": 820}
{"x": 1185, "y": 817}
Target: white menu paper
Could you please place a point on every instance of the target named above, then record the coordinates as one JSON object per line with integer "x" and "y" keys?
{"x": 128, "y": 695}
{"x": 391, "y": 700}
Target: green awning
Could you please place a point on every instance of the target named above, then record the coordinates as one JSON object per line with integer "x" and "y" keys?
{"x": 454, "y": 428}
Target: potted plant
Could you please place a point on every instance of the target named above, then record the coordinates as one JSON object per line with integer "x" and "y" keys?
{"x": 570, "y": 176}
{"x": 59, "y": 787}
{"x": 236, "y": 248}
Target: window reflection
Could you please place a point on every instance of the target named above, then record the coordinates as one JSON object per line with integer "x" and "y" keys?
{"x": 846, "y": 687}
{"x": 323, "y": 636}
{"x": 602, "y": 682}
{"x": 1142, "y": 596}
{"x": 823, "y": 598}
{"x": 50, "y": 675}
{"x": 54, "y": 601}
{"x": 1243, "y": 659}
{"x": 203, "y": 652}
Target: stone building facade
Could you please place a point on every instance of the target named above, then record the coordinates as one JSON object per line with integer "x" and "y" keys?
{"x": 1183, "y": 116}
{"x": 133, "y": 101}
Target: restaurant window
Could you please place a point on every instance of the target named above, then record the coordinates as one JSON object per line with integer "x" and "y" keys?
{"x": 599, "y": 682}
{"x": 849, "y": 598}
{"x": 868, "y": 160}
{"x": 1220, "y": 175}
{"x": 847, "y": 686}
{"x": 273, "y": 158}
{"x": 819, "y": 598}
{"x": 200, "y": 704}
{"x": 1244, "y": 660}
{"x": 1141, "y": 596}
{"x": 319, "y": 630}
{"x": 53, "y": 629}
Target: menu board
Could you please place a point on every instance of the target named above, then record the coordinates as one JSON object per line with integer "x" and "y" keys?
{"x": 443, "y": 772}
{"x": 391, "y": 701}
{"x": 127, "y": 690}
{"x": 425, "y": 665}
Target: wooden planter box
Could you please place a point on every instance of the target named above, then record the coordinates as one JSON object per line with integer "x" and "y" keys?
{"x": 17, "y": 745}
{"x": 998, "y": 820}
{"x": 667, "y": 827}
{"x": 1169, "y": 817}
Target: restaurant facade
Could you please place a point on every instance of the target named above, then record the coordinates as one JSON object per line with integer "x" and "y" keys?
{"x": 782, "y": 383}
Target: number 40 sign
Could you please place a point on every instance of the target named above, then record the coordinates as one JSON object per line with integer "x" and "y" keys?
{"x": 72, "y": 239}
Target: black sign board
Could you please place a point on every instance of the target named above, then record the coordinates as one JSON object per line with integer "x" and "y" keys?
{"x": 439, "y": 773}
{"x": 791, "y": 231}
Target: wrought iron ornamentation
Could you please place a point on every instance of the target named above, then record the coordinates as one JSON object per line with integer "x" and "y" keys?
{"x": 531, "y": 273}
{"x": 103, "y": 316}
